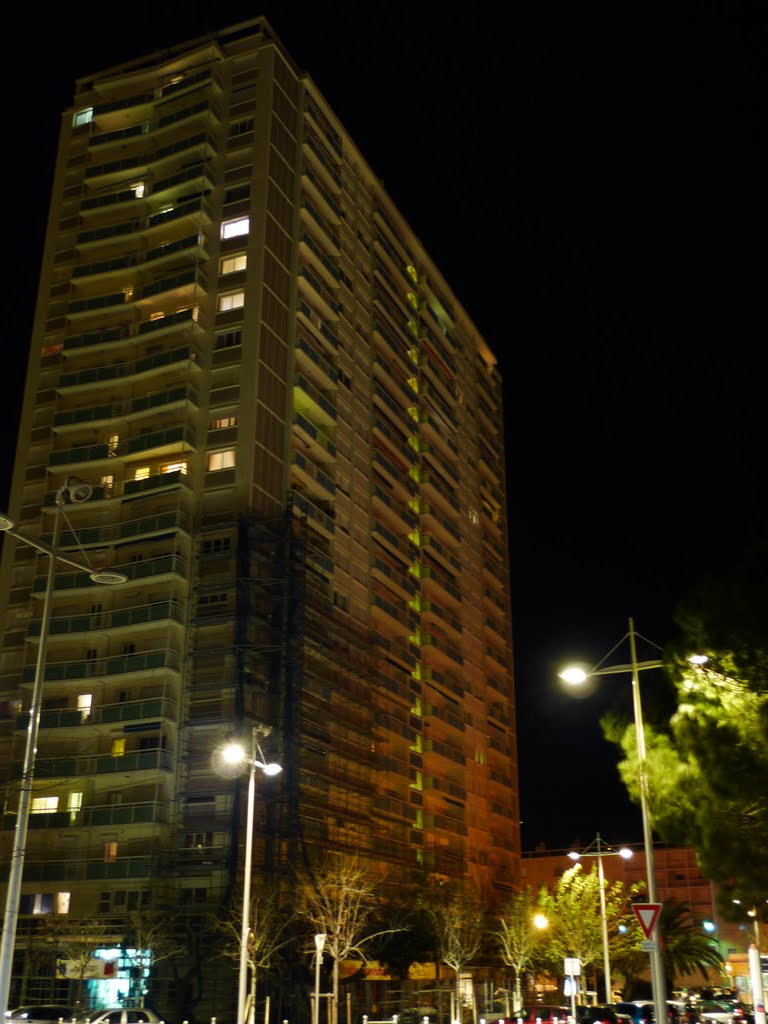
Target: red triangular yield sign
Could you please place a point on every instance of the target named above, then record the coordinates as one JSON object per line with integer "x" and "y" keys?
{"x": 647, "y": 914}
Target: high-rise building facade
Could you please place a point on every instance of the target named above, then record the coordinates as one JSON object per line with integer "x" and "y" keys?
{"x": 294, "y": 436}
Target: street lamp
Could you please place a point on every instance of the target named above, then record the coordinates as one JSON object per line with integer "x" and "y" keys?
{"x": 575, "y": 676}
{"x": 599, "y": 852}
{"x": 74, "y": 491}
{"x": 319, "y": 946}
{"x": 235, "y": 754}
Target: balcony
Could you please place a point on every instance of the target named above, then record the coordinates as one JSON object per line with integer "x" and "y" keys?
{"x": 67, "y": 767}
{"x": 115, "y": 169}
{"x": 149, "y": 812}
{"x": 316, "y": 483}
{"x": 151, "y": 709}
{"x": 122, "y": 664}
{"x": 317, "y": 295}
{"x": 315, "y": 516}
{"x": 125, "y": 410}
{"x": 312, "y": 404}
{"x": 94, "y": 870}
{"x": 144, "y": 527}
{"x": 108, "y": 337}
{"x": 321, "y": 448}
{"x": 67, "y": 625}
{"x": 163, "y": 565}
{"x": 309, "y": 359}
{"x": 124, "y": 372}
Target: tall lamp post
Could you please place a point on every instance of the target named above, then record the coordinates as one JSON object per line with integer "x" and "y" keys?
{"x": 576, "y": 676}
{"x": 600, "y": 851}
{"x": 235, "y": 754}
{"x": 73, "y": 491}
{"x": 319, "y": 947}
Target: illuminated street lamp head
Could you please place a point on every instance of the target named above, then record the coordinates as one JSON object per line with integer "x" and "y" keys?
{"x": 699, "y": 659}
{"x": 541, "y": 922}
{"x": 234, "y": 753}
{"x": 6, "y": 523}
{"x": 573, "y": 675}
{"x": 625, "y": 853}
{"x": 574, "y": 856}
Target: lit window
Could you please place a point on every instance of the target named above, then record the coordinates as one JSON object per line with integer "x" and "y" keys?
{"x": 112, "y": 442}
{"x": 61, "y": 902}
{"x": 44, "y": 804}
{"x": 473, "y": 516}
{"x": 84, "y": 116}
{"x": 118, "y": 746}
{"x": 232, "y": 300}
{"x": 174, "y": 467}
{"x": 138, "y": 189}
{"x": 74, "y": 805}
{"x": 225, "y": 421}
{"x": 110, "y": 853}
{"x": 141, "y": 473}
{"x": 84, "y": 705}
{"x": 221, "y": 460}
{"x": 231, "y": 264}
{"x": 108, "y": 482}
{"x": 156, "y": 316}
{"x": 236, "y": 226}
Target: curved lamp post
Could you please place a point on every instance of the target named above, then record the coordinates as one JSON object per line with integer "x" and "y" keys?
{"x": 601, "y": 850}
{"x": 235, "y": 754}
{"x": 74, "y": 491}
{"x": 575, "y": 676}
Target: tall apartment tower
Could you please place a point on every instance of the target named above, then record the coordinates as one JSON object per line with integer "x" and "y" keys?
{"x": 294, "y": 436}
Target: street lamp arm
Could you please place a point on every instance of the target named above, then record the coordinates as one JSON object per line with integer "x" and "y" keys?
{"x": 47, "y": 550}
{"x": 616, "y": 669}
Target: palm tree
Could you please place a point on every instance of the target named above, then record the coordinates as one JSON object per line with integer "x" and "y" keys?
{"x": 686, "y": 947}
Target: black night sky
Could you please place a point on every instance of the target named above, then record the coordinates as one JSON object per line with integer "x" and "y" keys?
{"x": 591, "y": 180}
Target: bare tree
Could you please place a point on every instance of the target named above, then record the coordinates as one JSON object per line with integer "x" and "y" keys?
{"x": 268, "y": 934}
{"x": 76, "y": 939}
{"x": 460, "y": 929}
{"x": 150, "y": 936}
{"x": 338, "y": 900}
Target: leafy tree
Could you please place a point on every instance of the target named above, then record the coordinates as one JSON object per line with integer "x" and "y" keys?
{"x": 572, "y": 908}
{"x": 338, "y": 899}
{"x": 459, "y": 930}
{"x": 706, "y": 768}
{"x": 520, "y": 941}
{"x": 686, "y": 947}
{"x": 407, "y": 933}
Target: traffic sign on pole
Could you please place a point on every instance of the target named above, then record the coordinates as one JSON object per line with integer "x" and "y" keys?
{"x": 647, "y": 915}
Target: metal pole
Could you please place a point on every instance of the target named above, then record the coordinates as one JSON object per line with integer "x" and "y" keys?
{"x": 604, "y": 923}
{"x": 11, "y": 917}
{"x": 319, "y": 947}
{"x": 657, "y": 965}
{"x": 245, "y": 929}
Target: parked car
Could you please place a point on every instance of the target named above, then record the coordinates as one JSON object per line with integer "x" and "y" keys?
{"x": 545, "y": 1014}
{"x": 715, "y": 1011}
{"x": 641, "y": 1011}
{"x": 684, "y": 1011}
{"x": 743, "y": 1013}
{"x": 595, "y": 1015}
{"x": 119, "y": 1015}
{"x": 43, "y": 1014}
